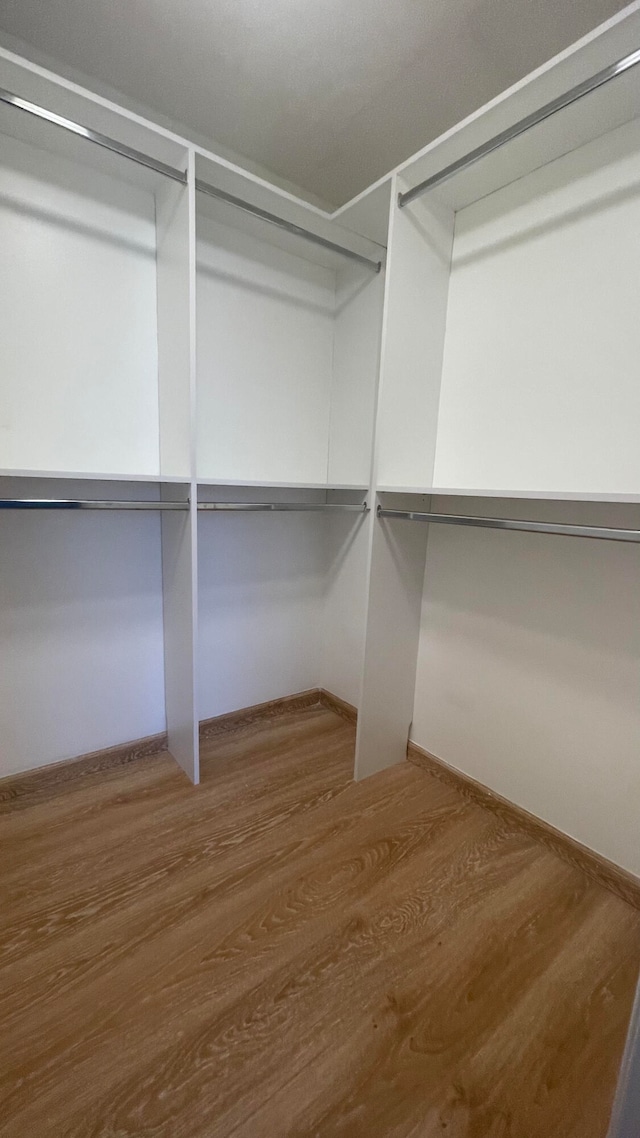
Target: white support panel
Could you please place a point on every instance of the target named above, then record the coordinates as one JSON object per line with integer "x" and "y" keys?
{"x": 175, "y": 255}
{"x": 180, "y": 606}
{"x": 539, "y": 386}
{"x": 177, "y": 310}
{"x": 396, "y": 573}
{"x": 418, "y": 266}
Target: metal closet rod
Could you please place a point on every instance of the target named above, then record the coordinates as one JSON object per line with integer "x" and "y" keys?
{"x": 290, "y": 507}
{"x": 289, "y": 226}
{"x": 605, "y": 533}
{"x": 85, "y": 504}
{"x": 103, "y": 140}
{"x": 525, "y": 124}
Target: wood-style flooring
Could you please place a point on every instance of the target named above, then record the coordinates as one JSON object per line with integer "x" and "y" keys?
{"x": 281, "y": 952}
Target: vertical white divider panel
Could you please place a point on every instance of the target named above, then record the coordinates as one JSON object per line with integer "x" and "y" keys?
{"x": 356, "y": 371}
{"x": 413, "y": 326}
{"x": 418, "y": 270}
{"x": 176, "y": 383}
{"x": 625, "y": 1118}
{"x": 396, "y": 575}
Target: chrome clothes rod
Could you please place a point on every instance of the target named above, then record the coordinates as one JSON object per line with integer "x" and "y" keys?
{"x": 525, "y": 124}
{"x": 85, "y": 504}
{"x": 289, "y": 226}
{"x": 290, "y": 507}
{"x": 102, "y": 140}
{"x": 604, "y": 532}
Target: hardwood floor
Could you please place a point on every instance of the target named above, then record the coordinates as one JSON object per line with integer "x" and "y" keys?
{"x": 281, "y": 952}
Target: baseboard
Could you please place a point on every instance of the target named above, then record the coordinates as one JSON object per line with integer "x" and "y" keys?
{"x": 28, "y": 787}
{"x": 340, "y": 706}
{"x": 606, "y": 873}
{"x": 272, "y": 708}
{"x": 246, "y": 716}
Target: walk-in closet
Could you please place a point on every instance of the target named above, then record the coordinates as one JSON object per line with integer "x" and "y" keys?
{"x": 320, "y": 624}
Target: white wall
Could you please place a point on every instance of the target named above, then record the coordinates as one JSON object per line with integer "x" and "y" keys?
{"x": 528, "y": 674}
{"x": 265, "y": 352}
{"x": 282, "y": 607}
{"x": 260, "y": 590}
{"x": 540, "y": 377}
{"x": 81, "y": 661}
{"x": 356, "y": 357}
{"x": 344, "y": 606}
{"x": 78, "y": 352}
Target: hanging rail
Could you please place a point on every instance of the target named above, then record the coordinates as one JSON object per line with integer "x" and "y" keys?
{"x": 85, "y": 504}
{"x": 262, "y": 507}
{"x": 606, "y": 533}
{"x": 93, "y": 136}
{"x": 525, "y": 124}
{"x": 289, "y": 226}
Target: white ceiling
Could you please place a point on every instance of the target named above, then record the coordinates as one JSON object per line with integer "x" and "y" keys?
{"x": 327, "y": 94}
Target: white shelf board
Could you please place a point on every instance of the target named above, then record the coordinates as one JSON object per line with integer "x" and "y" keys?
{"x": 282, "y": 485}
{"x": 83, "y": 475}
{"x": 538, "y": 495}
{"x": 584, "y": 120}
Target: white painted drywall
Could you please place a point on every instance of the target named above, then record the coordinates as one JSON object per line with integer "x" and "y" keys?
{"x": 282, "y": 605}
{"x": 540, "y": 377}
{"x": 356, "y": 358}
{"x": 78, "y": 358}
{"x": 260, "y": 591}
{"x": 344, "y": 612}
{"x": 265, "y": 353}
{"x": 394, "y": 593}
{"x": 81, "y": 649}
{"x": 528, "y": 675}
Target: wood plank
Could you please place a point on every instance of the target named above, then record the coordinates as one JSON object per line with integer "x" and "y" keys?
{"x": 611, "y": 876}
{"x": 340, "y": 706}
{"x": 44, "y": 783}
{"x": 282, "y": 951}
{"x": 247, "y": 716}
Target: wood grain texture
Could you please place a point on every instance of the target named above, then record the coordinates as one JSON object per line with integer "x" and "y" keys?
{"x": 605, "y": 872}
{"x": 44, "y": 783}
{"x": 340, "y": 706}
{"x": 248, "y": 716}
{"x": 282, "y": 953}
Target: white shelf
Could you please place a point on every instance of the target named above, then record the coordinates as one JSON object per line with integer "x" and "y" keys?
{"x": 83, "y": 475}
{"x": 537, "y": 495}
{"x": 282, "y": 485}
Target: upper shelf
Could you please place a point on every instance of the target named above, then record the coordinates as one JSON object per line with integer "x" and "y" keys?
{"x": 85, "y": 475}
{"x": 65, "y": 121}
{"x": 230, "y": 198}
{"x": 530, "y": 495}
{"x": 269, "y": 484}
{"x": 571, "y": 119}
